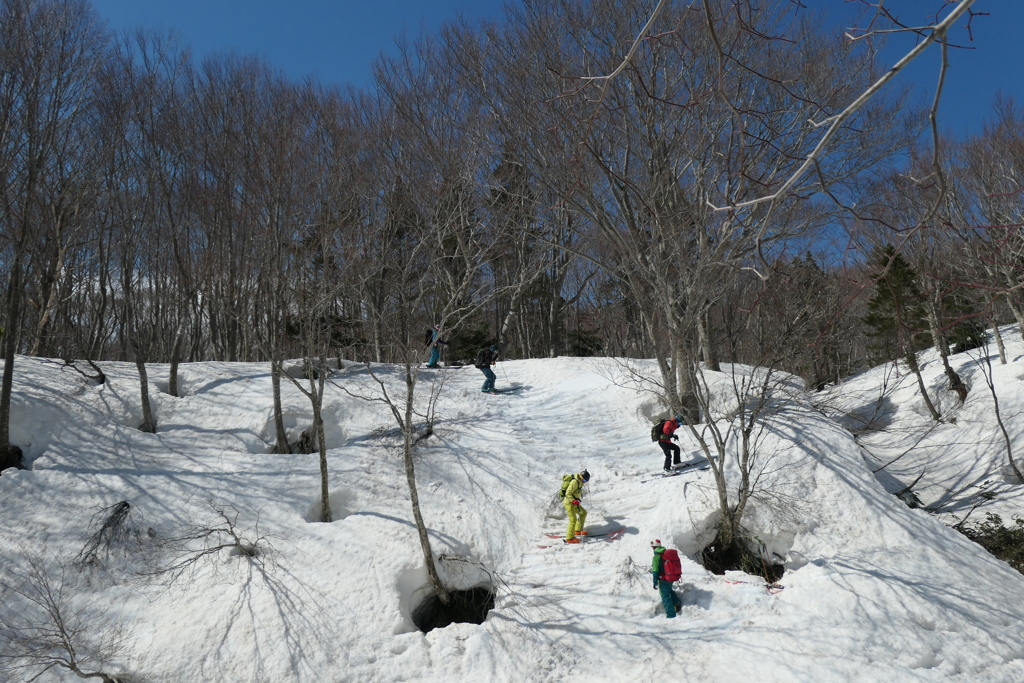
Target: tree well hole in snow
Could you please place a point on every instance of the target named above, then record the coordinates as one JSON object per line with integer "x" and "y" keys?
{"x": 10, "y": 456}
{"x": 342, "y": 504}
{"x": 465, "y": 607}
{"x": 300, "y": 432}
{"x": 718, "y": 559}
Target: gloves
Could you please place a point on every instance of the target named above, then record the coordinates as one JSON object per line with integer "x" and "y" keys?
{"x": 675, "y": 438}
{"x": 575, "y": 501}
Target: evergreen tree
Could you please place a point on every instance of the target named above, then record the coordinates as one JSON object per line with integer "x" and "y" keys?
{"x": 896, "y": 315}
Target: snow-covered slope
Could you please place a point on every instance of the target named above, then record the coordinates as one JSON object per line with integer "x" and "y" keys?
{"x": 956, "y": 460}
{"x": 874, "y": 591}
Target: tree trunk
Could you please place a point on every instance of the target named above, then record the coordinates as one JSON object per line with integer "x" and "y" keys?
{"x": 955, "y": 383}
{"x": 414, "y": 498}
{"x": 512, "y": 314}
{"x": 275, "y": 382}
{"x": 1018, "y": 314}
{"x": 688, "y": 404}
{"x": 912, "y": 363}
{"x": 999, "y": 342}
{"x": 939, "y": 342}
{"x": 148, "y": 424}
{"x": 704, "y": 336}
{"x": 938, "y": 339}
{"x": 316, "y": 388}
{"x": 552, "y": 325}
{"x": 1007, "y": 441}
{"x": 172, "y": 375}
{"x": 10, "y": 346}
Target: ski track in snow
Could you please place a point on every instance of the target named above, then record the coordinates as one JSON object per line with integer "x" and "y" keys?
{"x": 874, "y": 591}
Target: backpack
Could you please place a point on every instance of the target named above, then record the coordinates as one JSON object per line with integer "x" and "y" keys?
{"x": 428, "y": 337}
{"x": 671, "y": 567}
{"x": 566, "y": 478}
{"x": 658, "y": 431}
{"x": 481, "y": 358}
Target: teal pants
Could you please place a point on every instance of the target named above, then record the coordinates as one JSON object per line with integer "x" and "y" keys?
{"x": 669, "y": 599}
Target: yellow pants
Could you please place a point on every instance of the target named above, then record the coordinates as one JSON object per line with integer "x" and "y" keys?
{"x": 577, "y": 517}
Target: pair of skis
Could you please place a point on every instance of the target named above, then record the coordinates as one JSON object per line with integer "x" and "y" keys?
{"x": 694, "y": 466}
{"x": 772, "y": 588}
{"x": 506, "y": 390}
{"x": 602, "y": 536}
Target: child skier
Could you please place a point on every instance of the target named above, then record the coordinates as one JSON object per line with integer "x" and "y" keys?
{"x": 665, "y": 569}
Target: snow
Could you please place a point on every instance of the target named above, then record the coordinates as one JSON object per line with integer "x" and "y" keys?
{"x": 873, "y": 590}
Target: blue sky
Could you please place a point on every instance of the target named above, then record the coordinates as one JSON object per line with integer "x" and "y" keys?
{"x": 332, "y": 40}
{"x": 335, "y": 41}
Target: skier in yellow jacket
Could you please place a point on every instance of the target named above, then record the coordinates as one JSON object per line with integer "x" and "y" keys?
{"x": 576, "y": 512}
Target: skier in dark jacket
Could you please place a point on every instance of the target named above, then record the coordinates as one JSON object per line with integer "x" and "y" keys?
{"x": 670, "y": 449}
{"x": 669, "y": 598}
{"x": 484, "y": 360}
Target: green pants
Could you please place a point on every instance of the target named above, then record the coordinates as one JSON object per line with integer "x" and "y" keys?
{"x": 577, "y": 517}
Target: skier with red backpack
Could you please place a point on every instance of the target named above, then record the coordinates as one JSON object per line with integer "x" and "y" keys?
{"x": 666, "y": 569}
{"x": 664, "y": 432}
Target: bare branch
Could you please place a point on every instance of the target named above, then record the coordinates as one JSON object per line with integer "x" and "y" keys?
{"x": 938, "y": 31}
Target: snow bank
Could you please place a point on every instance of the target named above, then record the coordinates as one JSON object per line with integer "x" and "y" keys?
{"x": 873, "y": 590}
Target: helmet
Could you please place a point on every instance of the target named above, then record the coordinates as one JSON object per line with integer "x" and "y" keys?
{"x": 678, "y": 418}
{"x": 585, "y": 475}
{"x": 493, "y": 347}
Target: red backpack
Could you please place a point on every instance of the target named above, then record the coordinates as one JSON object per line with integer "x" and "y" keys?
{"x": 671, "y": 568}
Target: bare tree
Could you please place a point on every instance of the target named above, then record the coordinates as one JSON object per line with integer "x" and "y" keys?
{"x": 49, "y": 51}
{"x": 986, "y": 217}
{"x": 984, "y": 363}
{"x": 736, "y": 417}
{"x": 428, "y": 136}
{"x": 45, "y": 624}
{"x": 216, "y": 532}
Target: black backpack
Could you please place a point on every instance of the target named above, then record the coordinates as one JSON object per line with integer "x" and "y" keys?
{"x": 658, "y": 431}
{"x": 481, "y": 358}
{"x": 428, "y": 337}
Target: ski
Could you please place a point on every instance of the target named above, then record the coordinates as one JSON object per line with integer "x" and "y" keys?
{"x": 772, "y": 588}
{"x": 606, "y": 537}
{"x": 603, "y": 534}
{"x": 507, "y": 390}
{"x": 679, "y": 469}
